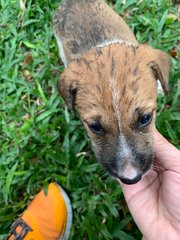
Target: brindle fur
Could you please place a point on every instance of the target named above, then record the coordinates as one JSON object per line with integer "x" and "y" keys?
{"x": 83, "y": 24}
{"x": 112, "y": 83}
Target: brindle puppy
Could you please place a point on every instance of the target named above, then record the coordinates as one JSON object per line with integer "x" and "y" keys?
{"x": 112, "y": 81}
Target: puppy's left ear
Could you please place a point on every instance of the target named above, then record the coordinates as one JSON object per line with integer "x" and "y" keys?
{"x": 159, "y": 63}
{"x": 67, "y": 87}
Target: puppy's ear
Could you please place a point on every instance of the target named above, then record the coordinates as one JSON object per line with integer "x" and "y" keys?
{"x": 68, "y": 90}
{"x": 159, "y": 63}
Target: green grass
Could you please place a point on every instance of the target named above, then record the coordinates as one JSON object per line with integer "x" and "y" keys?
{"x": 40, "y": 142}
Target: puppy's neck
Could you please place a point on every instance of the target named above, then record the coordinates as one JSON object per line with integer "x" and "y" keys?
{"x": 116, "y": 41}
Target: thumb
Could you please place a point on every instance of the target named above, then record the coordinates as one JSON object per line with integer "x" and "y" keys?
{"x": 166, "y": 154}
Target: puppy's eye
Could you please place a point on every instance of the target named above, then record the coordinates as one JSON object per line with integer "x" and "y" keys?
{"x": 145, "y": 120}
{"x": 96, "y": 128}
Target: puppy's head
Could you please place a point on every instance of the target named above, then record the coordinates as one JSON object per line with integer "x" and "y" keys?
{"x": 114, "y": 89}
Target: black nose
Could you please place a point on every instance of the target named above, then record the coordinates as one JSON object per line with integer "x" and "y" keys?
{"x": 131, "y": 181}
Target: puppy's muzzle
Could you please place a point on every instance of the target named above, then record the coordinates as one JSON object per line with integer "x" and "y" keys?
{"x": 130, "y": 172}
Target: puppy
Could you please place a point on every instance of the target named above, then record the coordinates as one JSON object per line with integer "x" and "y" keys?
{"x": 112, "y": 81}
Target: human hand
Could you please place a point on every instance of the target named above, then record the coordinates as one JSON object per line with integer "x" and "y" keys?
{"x": 154, "y": 202}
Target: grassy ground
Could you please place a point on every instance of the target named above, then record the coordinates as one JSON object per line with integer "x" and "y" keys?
{"x": 39, "y": 140}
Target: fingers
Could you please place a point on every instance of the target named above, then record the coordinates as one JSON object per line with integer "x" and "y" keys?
{"x": 166, "y": 154}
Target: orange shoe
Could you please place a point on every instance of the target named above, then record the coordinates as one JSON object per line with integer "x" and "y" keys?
{"x": 48, "y": 217}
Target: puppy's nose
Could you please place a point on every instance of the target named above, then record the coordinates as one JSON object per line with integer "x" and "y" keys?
{"x": 131, "y": 181}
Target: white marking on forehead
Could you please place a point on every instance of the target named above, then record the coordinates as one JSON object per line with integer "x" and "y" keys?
{"x": 115, "y": 41}
{"x": 115, "y": 98}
